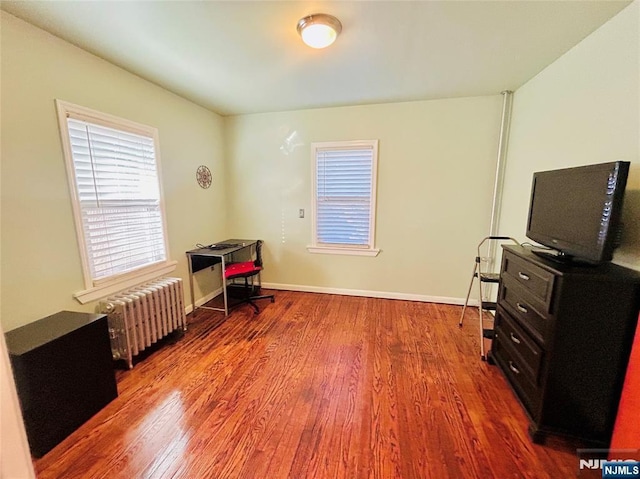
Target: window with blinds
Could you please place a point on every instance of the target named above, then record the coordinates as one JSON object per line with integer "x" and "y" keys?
{"x": 344, "y": 195}
{"x": 118, "y": 200}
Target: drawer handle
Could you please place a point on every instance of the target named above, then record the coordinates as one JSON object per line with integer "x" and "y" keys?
{"x": 513, "y": 368}
{"x": 521, "y": 308}
{"x": 514, "y": 338}
{"x": 523, "y": 276}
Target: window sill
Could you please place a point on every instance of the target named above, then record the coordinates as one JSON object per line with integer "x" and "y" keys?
{"x": 104, "y": 290}
{"x": 343, "y": 250}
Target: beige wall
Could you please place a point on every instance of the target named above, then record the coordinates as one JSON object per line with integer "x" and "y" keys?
{"x": 435, "y": 180}
{"x": 436, "y": 169}
{"x": 582, "y": 109}
{"x": 40, "y": 263}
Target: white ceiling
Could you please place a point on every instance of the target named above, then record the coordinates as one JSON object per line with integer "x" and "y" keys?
{"x": 237, "y": 57}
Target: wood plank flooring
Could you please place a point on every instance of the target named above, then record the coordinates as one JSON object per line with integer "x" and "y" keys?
{"x": 315, "y": 386}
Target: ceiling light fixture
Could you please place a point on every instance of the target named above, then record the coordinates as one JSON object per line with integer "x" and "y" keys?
{"x": 319, "y": 30}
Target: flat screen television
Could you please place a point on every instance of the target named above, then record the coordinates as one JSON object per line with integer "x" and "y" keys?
{"x": 576, "y": 211}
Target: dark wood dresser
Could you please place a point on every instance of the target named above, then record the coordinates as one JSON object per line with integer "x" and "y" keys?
{"x": 563, "y": 335}
{"x": 64, "y": 374}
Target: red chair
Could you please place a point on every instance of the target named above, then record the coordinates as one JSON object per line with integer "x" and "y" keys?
{"x": 246, "y": 270}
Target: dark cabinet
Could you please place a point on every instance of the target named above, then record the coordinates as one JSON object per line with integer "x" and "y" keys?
{"x": 563, "y": 335}
{"x": 64, "y": 374}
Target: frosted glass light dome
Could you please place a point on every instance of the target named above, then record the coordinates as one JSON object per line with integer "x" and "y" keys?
{"x": 319, "y": 30}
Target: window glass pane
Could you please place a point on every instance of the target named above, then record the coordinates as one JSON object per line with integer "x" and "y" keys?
{"x": 344, "y": 186}
{"x": 119, "y": 198}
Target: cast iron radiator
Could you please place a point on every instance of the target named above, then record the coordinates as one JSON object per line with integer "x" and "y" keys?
{"x": 139, "y": 317}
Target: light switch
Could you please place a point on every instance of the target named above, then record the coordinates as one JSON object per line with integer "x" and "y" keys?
{"x": 301, "y": 213}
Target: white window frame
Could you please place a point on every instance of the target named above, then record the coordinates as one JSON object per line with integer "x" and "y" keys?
{"x": 96, "y": 289}
{"x": 342, "y": 249}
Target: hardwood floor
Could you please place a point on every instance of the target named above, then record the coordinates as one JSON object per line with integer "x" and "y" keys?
{"x": 315, "y": 386}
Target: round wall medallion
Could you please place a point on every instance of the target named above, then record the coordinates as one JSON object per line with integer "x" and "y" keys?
{"x": 203, "y": 175}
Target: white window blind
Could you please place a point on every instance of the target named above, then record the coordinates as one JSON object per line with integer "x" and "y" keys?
{"x": 345, "y": 194}
{"x": 118, "y": 196}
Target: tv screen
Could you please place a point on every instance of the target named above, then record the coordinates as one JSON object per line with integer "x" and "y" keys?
{"x": 576, "y": 211}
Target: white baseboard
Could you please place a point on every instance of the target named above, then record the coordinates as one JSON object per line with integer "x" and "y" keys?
{"x": 204, "y": 299}
{"x": 370, "y": 294}
{"x": 346, "y": 292}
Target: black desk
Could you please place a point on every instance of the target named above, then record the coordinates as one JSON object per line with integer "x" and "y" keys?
{"x": 64, "y": 374}
{"x": 203, "y": 258}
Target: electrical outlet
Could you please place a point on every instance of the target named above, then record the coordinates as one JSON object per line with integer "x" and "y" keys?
{"x": 301, "y": 213}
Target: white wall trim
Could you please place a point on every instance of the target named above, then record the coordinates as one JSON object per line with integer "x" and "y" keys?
{"x": 369, "y": 294}
{"x": 316, "y": 247}
{"x": 345, "y": 292}
{"x": 204, "y": 299}
{"x": 129, "y": 280}
{"x": 14, "y": 448}
{"x": 343, "y": 250}
{"x": 116, "y": 282}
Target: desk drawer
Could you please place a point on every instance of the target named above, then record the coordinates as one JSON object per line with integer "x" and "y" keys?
{"x": 524, "y": 308}
{"x": 534, "y": 279}
{"x": 520, "y": 342}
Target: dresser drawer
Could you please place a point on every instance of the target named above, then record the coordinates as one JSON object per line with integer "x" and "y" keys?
{"x": 534, "y": 279}
{"x": 523, "y": 347}
{"x": 525, "y": 308}
{"x": 511, "y": 365}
